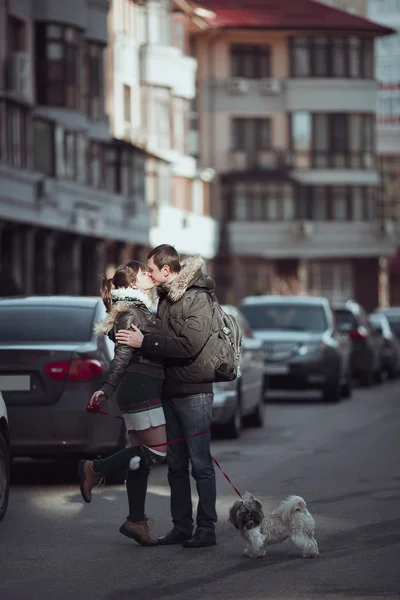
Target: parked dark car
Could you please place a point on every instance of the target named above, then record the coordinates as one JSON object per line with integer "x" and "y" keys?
{"x": 393, "y": 316}
{"x": 390, "y": 347}
{"x": 241, "y": 402}
{"x": 51, "y": 362}
{"x": 302, "y": 349}
{"x": 366, "y": 351}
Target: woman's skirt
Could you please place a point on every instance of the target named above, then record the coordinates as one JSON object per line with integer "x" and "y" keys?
{"x": 139, "y": 398}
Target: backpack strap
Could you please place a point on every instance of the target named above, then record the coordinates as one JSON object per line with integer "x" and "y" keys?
{"x": 190, "y": 296}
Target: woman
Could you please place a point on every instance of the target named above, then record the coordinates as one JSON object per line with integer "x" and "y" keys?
{"x": 139, "y": 382}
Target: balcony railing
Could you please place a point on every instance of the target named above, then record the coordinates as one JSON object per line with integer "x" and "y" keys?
{"x": 321, "y": 159}
{"x": 259, "y": 160}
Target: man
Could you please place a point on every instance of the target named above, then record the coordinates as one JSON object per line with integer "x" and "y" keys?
{"x": 185, "y": 318}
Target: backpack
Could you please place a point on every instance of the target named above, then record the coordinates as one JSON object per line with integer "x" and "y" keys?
{"x": 222, "y": 350}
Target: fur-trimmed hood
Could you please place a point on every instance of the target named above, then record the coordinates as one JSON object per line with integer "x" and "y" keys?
{"x": 190, "y": 275}
{"x": 122, "y": 302}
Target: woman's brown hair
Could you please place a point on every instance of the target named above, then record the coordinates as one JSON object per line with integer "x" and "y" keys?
{"x": 123, "y": 277}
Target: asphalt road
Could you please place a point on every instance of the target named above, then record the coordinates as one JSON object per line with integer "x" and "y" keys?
{"x": 344, "y": 459}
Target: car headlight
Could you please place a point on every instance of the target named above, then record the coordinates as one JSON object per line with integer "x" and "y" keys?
{"x": 307, "y": 349}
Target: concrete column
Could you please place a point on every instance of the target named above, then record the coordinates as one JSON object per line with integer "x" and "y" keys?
{"x": 384, "y": 297}
{"x": 29, "y": 266}
{"x": 94, "y": 266}
{"x": 69, "y": 276}
{"x": 302, "y": 274}
{"x": 17, "y": 268}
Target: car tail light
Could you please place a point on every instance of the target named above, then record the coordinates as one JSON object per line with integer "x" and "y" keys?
{"x": 75, "y": 370}
{"x": 358, "y": 335}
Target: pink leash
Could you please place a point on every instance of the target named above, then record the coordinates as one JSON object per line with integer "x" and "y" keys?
{"x": 95, "y": 409}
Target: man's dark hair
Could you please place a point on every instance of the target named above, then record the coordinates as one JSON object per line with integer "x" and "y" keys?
{"x": 165, "y": 256}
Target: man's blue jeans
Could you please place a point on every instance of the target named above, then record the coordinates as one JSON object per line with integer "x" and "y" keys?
{"x": 186, "y": 416}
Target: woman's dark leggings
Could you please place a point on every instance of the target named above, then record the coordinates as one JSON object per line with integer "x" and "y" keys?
{"x": 136, "y": 481}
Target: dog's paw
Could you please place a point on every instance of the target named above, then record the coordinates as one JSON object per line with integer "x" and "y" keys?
{"x": 249, "y": 554}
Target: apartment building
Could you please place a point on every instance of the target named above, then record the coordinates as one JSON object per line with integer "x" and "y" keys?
{"x": 151, "y": 87}
{"x": 387, "y": 72}
{"x": 286, "y": 98}
{"x": 71, "y": 197}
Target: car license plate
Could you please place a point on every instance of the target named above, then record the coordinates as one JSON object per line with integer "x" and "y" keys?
{"x": 15, "y": 383}
{"x": 276, "y": 369}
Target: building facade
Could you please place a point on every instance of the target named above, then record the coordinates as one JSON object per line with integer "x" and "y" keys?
{"x": 151, "y": 88}
{"x": 387, "y": 71}
{"x": 72, "y": 198}
{"x": 287, "y": 119}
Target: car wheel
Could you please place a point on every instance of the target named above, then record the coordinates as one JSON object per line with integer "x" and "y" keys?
{"x": 347, "y": 388}
{"x": 332, "y": 393}
{"x": 257, "y": 417}
{"x": 4, "y": 475}
{"x": 366, "y": 378}
{"x": 233, "y": 428}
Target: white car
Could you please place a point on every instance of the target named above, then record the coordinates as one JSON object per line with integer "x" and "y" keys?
{"x": 4, "y": 459}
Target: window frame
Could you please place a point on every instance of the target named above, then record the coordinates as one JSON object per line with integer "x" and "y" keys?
{"x": 246, "y": 61}
{"x": 309, "y": 44}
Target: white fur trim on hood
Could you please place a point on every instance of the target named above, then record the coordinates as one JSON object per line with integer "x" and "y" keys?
{"x": 180, "y": 283}
{"x": 122, "y": 298}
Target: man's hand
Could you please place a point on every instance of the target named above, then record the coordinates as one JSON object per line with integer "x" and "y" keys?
{"x": 130, "y": 338}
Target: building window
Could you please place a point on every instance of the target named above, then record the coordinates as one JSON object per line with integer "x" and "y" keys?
{"x": 336, "y": 203}
{"x": 95, "y": 81}
{"x": 15, "y": 128}
{"x": 250, "y": 138}
{"x": 262, "y": 201}
{"x": 16, "y": 35}
{"x": 334, "y": 140}
{"x": 127, "y": 104}
{"x": 250, "y": 61}
{"x": 59, "y": 66}
{"x": 44, "y": 146}
{"x": 332, "y": 57}
{"x": 330, "y": 279}
{"x": 160, "y": 118}
{"x": 180, "y": 123}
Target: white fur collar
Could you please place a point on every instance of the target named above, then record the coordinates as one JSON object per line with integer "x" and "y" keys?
{"x": 122, "y": 302}
{"x": 129, "y": 293}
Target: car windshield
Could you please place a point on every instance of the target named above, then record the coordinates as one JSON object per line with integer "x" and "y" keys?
{"x": 41, "y": 324}
{"x": 286, "y": 317}
{"x": 394, "y": 321}
{"x": 345, "y": 320}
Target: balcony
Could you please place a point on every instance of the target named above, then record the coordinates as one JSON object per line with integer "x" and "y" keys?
{"x": 311, "y": 239}
{"x": 333, "y": 94}
{"x": 321, "y": 159}
{"x": 260, "y": 160}
{"x": 165, "y": 66}
{"x": 246, "y": 96}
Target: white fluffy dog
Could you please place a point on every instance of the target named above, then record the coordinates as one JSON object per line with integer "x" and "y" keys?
{"x": 291, "y": 520}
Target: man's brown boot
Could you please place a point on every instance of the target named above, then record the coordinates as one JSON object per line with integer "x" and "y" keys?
{"x": 88, "y": 479}
{"x": 140, "y": 532}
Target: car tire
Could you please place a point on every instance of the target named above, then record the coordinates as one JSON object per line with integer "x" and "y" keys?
{"x": 4, "y": 475}
{"x": 257, "y": 417}
{"x": 347, "y": 388}
{"x": 332, "y": 393}
{"x": 366, "y": 379}
{"x": 233, "y": 427}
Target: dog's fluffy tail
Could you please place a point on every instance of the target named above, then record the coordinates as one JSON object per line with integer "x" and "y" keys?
{"x": 289, "y": 507}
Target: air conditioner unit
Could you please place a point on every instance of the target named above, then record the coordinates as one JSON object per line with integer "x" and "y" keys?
{"x": 237, "y": 85}
{"x": 384, "y": 229}
{"x": 270, "y": 86}
{"x": 302, "y": 229}
{"x": 19, "y": 74}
